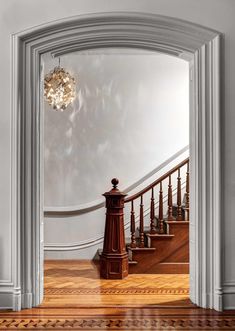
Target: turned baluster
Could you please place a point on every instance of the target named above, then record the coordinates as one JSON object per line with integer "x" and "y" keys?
{"x": 141, "y": 222}
{"x": 160, "y": 215}
{"x": 187, "y": 194}
{"x": 152, "y": 213}
{"x": 133, "y": 240}
{"x": 179, "y": 207}
{"x": 170, "y": 215}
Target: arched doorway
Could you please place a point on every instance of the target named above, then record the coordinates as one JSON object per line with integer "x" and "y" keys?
{"x": 143, "y": 31}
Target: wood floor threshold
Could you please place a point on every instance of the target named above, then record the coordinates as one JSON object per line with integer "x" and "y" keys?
{"x": 119, "y": 323}
{"x": 119, "y": 319}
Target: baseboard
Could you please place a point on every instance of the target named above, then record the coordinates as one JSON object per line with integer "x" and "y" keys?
{"x": 11, "y": 298}
{"x": 17, "y": 299}
{"x": 27, "y": 300}
{"x": 218, "y": 300}
{"x": 229, "y": 297}
{"x": 6, "y": 297}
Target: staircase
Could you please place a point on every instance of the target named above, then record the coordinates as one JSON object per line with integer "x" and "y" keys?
{"x": 163, "y": 246}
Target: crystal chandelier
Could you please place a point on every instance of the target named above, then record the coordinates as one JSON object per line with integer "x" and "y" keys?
{"x": 59, "y": 88}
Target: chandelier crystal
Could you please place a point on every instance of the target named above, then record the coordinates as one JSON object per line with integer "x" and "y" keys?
{"x": 59, "y": 88}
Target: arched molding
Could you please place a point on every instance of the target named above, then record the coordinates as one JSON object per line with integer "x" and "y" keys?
{"x": 122, "y": 29}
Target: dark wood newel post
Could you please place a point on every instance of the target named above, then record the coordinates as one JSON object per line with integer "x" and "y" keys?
{"x": 114, "y": 258}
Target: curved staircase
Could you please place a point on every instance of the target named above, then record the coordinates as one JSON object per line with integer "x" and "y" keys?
{"x": 160, "y": 243}
{"x": 163, "y": 247}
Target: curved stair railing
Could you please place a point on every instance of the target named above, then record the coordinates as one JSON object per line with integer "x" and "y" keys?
{"x": 175, "y": 212}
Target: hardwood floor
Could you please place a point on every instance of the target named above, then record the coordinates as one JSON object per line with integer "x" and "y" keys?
{"x": 67, "y": 284}
{"x": 77, "y": 299}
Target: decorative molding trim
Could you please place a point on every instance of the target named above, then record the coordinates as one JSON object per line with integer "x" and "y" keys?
{"x": 6, "y": 283}
{"x": 91, "y": 206}
{"x": 229, "y": 295}
{"x": 229, "y": 299}
{"x": 229, "y": 290}
{"x": 6, "y": 296}
{"x": 79, "y": 245}
{"x": 27, "y": 300}
{"x": 52, "y": 247}
{"x": 132, "y": 30}
{"x": 17, "y": 299}
{"x": 229, "y": 283}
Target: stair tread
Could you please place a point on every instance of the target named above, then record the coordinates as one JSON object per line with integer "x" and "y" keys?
{"x": 132, "y": 262}
{"x": 176, "y": 263}
{"x": 165, "y": 218}
{"x": 139, "y": 249}
{"x": 160, "y": 236}
{"x": 177, "y": 222}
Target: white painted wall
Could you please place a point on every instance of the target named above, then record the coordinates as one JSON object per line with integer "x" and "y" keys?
{"x": 131, "y": 113}
{"x": 18, "y": 15}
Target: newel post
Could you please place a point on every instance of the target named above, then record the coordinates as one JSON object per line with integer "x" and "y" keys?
{"x": 114, "y": 258}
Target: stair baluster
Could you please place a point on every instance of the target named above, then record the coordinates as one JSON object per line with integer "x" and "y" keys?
{"x": 187, "y": 194}
{"x": 154, "y": 250}
{"x": 170, "y": 215}
{"x": 160, "y": 215}
{"x": 152, "y": 213}
{"x": 133, "y": 239}
{"x": 179, "y": 206}
{"x": 141, "y": 222}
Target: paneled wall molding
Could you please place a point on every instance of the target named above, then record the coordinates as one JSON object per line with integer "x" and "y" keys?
{"x": 74, "y": 246}
{"x": 117, "y": 29}
{"x": 230, "y": 283}
{"x": 64, "y": 211}
{"x": 6, "y": 283}
{"x": 6, "y": 296}
{"x": 229, "y": 295}
{"x": 230, "y": 289}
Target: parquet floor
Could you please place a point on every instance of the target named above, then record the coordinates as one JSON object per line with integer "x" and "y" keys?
{"x": 77, "y": 299}
{"x": 70, "y": 285}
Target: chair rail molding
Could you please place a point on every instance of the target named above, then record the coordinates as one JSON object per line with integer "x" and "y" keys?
{"x": 116, "y": 29}
{"x": 68, "y": 211}
{"x": 82, "y": 244}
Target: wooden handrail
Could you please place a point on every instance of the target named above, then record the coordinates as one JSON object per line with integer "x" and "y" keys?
{"x": 156, "y": 182}
{"x": 175, "y": 212}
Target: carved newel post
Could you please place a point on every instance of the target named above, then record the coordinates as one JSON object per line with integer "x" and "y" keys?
{"x": 114, "y": 258}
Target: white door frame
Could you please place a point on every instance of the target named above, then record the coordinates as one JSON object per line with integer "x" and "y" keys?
{"x": 137, "y": 30}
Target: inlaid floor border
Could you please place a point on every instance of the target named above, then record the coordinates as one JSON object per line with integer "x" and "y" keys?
{"x": 125, "y": 323}
{"x": 107, "y": 291}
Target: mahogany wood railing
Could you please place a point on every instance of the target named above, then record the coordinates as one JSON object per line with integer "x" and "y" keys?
{"x": 174, "y": 212}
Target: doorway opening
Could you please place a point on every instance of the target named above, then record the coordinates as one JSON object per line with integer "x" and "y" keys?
{"x": 142, "y": 31}
{"x": 130, "y": 120}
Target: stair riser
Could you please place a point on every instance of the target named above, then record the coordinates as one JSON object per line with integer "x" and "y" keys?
{"x": 169, "y": 250}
